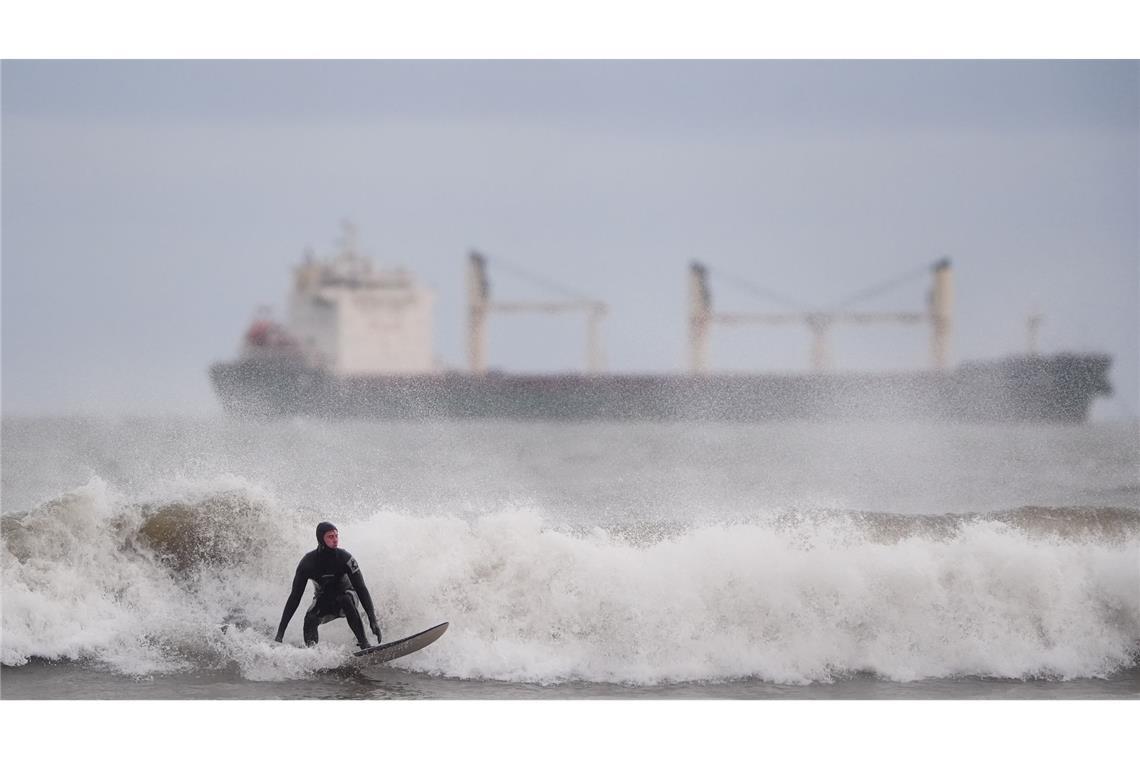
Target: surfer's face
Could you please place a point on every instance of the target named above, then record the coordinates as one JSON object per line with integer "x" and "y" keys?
{"x": 332, "y": 539}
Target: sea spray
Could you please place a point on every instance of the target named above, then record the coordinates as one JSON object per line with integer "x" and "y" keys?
{"x": 196, "y": 579}
{"x": 134, "y": 586}
{"x": 754, "y": 600}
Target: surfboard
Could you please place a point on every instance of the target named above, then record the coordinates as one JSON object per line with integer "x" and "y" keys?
{"x": 394, "y": 649}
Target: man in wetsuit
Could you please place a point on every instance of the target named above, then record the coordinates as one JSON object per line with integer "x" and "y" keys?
{"x": 338, "y": 582}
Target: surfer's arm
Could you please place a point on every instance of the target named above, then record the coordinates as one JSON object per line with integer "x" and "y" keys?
{"x": 357, "y": 579}
{"x": 294, "y": 600}
{"x": 362, "y": 592}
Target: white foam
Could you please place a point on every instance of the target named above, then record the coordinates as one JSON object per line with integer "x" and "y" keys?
{"x": 531, "y": 602}
{"x": 723, "y": 602}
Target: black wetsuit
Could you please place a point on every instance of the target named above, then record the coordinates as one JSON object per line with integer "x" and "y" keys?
{"x": 338, "y": 582}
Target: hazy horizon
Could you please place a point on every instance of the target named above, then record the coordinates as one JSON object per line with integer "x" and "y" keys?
{"x": 151, "y": 207}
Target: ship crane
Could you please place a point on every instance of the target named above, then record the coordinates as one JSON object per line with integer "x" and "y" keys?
{"x": 480, "y": 306}
{"x": 820, "y": 322}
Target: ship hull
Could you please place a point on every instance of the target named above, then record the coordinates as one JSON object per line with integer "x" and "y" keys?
{"x": 1057, "y": 388}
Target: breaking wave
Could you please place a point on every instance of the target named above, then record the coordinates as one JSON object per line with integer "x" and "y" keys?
{"x": 197, "y": 580}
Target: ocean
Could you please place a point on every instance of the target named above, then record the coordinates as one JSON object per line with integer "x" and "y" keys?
{"x": 149, "y": 558}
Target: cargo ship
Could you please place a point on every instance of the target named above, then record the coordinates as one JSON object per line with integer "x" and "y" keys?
{"x": 357, "y": 342}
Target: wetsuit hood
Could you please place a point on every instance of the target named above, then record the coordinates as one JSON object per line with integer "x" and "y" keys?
{"x": 322, "y": 529}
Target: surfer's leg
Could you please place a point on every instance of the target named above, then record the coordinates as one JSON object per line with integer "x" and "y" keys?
{"x": 352, "y": 615}
{"x": 312, "y": 620}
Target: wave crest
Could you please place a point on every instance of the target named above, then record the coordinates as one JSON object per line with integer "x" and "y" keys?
{"x": 198, "y": 581}
{"x": 221, "y": 530}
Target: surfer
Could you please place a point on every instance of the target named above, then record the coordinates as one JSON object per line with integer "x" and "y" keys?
{"x": 336, "y": 576}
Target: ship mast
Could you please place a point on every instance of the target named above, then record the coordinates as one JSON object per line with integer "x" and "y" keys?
{"x": 1033, "y": 330}
{"x": 700, "y": 318}
{"x": 478, "y": 301}
{"x": 480, "y": 306}
{"x": 941, "y": 306}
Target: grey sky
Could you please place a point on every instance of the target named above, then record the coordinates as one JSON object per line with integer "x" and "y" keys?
{"x": 149, "y": 207}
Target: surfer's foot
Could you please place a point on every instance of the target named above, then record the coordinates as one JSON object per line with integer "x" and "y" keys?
{"x": 362, "y": 645}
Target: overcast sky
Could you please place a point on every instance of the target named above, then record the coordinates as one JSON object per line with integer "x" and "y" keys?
{"x": 150, "y": 208}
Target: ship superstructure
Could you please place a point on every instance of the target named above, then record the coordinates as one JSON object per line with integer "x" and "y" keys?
{"x": 351, "y": 319}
